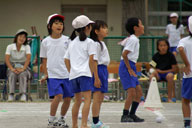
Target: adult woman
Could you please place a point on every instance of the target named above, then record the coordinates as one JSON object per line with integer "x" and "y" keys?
{"x": 17, "y": 59}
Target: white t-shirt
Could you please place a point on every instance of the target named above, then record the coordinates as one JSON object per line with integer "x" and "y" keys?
{"x": 132, "y": 45}
{"x": 174, "y": 34}
{"x": 15, "y": 55}
{"x": 54, "y": 50}
{"x": 78, "y": 53}
{"x": 102, "y": 54}
{"x": 186, "y": 43}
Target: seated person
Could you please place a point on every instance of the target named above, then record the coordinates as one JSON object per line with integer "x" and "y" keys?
{"x": 165, "y": 65}
{"x": 17, "y": 59}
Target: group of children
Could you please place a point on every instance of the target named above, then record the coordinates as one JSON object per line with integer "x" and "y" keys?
{"x": 77, "y": 66}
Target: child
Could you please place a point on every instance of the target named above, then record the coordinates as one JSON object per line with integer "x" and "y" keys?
{"x": 99, "y": 31}
{"x": 80, "y": 60}
{"x": 165, "y": 66}
{"x": 185, "y": 50}
{"x": 53, "y": 49}
{"x": 127, "y": 70}
{"x": 17, "y": 59}
{"x": 174, "y": 32}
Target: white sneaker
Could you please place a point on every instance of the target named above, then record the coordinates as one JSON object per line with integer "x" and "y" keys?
{"x": 53, "y": 124}
{"x": 10, "y": 98}
{"x": 99, "y": 125}
{"x": 62, "y": 123}
{"x": 23, "y": 97}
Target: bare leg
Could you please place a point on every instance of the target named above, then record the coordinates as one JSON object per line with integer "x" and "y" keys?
{"x": 86, "y": 107}
{"x": 97, "y": 101}
{"x": 55, "y": 103}
{"x": 170, "y": 84}
{"x": 75, "y": 110}
{"x": 131, "y": 95}
{"x": 186, "y": 108}
{"x": 65, "y": 105}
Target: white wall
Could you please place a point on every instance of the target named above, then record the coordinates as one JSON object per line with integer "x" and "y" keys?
{"x": 16, "y": 14}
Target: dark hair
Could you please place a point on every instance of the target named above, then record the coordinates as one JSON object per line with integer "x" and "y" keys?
{"x": 49, "y": 26}
{"x": 96, "y": 26}
{"x": 81, "y": 31}
{"x": 165, "y": 40}
{"x": 178, "y": 23}
{"x": 131, "y": 22}
{"x": 21, "y": 33}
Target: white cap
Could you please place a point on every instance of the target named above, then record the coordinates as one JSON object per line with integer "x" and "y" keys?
{"x": 174, "y": 15}
{"x": 81, "y": 21}
{"x": 21, "y": 31}
{"x": 53, "y": 16}
{"x": 190, "y": 23}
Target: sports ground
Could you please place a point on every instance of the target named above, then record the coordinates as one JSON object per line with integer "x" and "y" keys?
{"x": 35, "y": 115}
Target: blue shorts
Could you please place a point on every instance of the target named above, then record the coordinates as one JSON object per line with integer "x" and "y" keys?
{"x": 127, "y": 80}
{"x": 187, "y": 88}
{"x": 82, "y": 84}
{"x": 173, "y": 49}
{"x": 162, "y": 77}
{"x": 103, "y": 76}
{"x": 59, "y": 86}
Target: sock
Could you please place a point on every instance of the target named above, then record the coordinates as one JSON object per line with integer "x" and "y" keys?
{"x": 125, "y": 112}
{"x": 61, "y": 117}
{"x": 187, "y": 121}
{"x": 95, "y": 120}
{"x": 52, "y": 118}
{"x": 134, "y": 107}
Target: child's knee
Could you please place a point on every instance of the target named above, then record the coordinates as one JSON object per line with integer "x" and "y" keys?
{"x": 67, "y": 100}
{"x": 170, "y": 77}
{"x": 59, "y": 97}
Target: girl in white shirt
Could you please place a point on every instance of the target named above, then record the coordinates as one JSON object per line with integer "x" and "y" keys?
{"x": 174, "y": 32}
{"x": 79, "y": 60}
{"x": 99, "y": 31}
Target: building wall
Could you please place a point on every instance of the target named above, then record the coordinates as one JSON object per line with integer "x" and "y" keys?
{"x": 16, "y": 14}
{"x": 114, "y": 12}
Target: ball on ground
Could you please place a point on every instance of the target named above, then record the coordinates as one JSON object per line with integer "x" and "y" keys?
{"x": 159, "y": 119}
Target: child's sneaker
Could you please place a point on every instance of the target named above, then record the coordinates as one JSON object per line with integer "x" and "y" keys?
{"x": 99, "y": 125}
{"x": 53, "y": 124}
{"x": 10, "y": 98}
{"x": 126, "y": 118}
{"x": 62, "y": 123}
{"x": 23, "y": 98}
{"x": 136, "y": 118}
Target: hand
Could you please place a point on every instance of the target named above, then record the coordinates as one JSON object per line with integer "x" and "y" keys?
{"x": 132, "y": 73}
{"x": 14, "y": 70}
{"x": 159, "y": 71}
{"x": 187, "y": 70}
{"x": 97, "y": 83}
{"x": 43, "y": 79}
{"x": 19, "y": 70}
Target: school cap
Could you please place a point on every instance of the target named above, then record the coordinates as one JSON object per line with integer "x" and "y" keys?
{"x": 174, "y": 15}
{"x": 81, "y": 21}
{"x": 190, "y": 23}
{"x": 21, "y": 31}
{"x": 53, "y": 16}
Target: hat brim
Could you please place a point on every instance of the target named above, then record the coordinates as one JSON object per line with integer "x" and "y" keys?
{"x": 60, "y": 16}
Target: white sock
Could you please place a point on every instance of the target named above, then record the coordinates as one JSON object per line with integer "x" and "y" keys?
{"x": 62, "y": 117}
{"x": 52, "y": 118}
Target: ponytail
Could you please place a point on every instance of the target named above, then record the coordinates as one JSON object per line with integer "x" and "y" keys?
{"x": 82, "y": 35}
{"x": 73, "y": 35}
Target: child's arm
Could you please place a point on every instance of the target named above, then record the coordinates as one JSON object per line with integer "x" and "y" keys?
{"x": 44, "y": 66}
{"x": 93, "y": 68}
{"x": 68, "y": 65}
{"x": 187, "y": 69}
{"x": 173, "y": 69}
{"x": 124, "y": 55}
